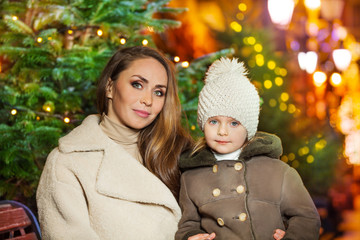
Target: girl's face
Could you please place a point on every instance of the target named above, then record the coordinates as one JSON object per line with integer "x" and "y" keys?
{"x": 224, "y": 134}
{"x": 138, "y": 95}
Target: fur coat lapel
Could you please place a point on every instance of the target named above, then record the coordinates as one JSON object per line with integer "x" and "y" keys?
{"x": 119, "y": 175}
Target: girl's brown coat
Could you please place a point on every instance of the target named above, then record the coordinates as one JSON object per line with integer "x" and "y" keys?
{"x": 245, "y": 199}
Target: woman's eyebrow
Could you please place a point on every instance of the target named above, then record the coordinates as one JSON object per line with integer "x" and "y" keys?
{"x": 147, "y": 81}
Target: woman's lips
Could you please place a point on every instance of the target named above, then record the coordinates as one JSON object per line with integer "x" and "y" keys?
{"x": 141, "y": 113}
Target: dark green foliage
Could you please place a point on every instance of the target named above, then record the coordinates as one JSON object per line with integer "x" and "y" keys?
{"x": 51, "y": 57}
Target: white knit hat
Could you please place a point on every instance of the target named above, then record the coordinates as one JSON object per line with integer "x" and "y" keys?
{"x": 228, "y": 92}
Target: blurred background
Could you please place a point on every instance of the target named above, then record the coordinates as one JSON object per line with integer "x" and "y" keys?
{"x": 302, "y": 55}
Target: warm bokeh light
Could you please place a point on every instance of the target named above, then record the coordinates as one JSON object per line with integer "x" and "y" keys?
{"x": 272, "y": 102}
{"x": 39, "y": 39}
{"x": 319, "y": 78}
{"x": 70, "y": 31}
{"x": 283, "y": 107}
{"x": 284, "y": 97}
{"x": 279, "y": 81}
{"x": 13, "y": 111}
{"x": 310, "y": 159}
{"x": 259, "y": 58}
{"x": 320, "y": 144}
{"x": 258, "y": 47}
{"x": 66, "y": 120}
{"x": 271, "y": 65}
{"x": 122, "y": 41}
{"x": 99, "y": 32}
{"x": 176, "y": 59}
{"x": 15, "y": 18}
{"x": 291, "y": 156}
{"x": 145, "y": 42}
{"x": 251, "y": 40}
{"x": 284, "y": 158}
{"x": 308, "y": 61}
{"x": 185, "y": 64}
{"x": 352, "y": 147}
{"x": 236, "y": 26}
{"x": 291, "y": 108}
{"x": 342, "y": 58}
{"x": 283, "y": 72}
{"x": 335, "y": 79}
{"x": 267, "y": 84}
{"x": 242, "y": 7}
{"x": 281, "y": 12}
{"x": 312, "y": 4}
{"x": 240, "y": 16}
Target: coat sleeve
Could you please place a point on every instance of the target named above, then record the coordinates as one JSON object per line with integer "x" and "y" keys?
{"x": 189, "y": 224}
{"x": 61, "y": 202}
{"x": 298, "y": 208}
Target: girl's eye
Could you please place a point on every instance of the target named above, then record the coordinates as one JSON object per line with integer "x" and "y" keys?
{"x": 213, "y": 122}
{"x": 136, "y": 85}
{"x": 159, "y": 93}
{"x": 234, "y": 124}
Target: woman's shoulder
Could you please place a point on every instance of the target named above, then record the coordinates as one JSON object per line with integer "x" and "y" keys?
{"x": 88, "y": 136}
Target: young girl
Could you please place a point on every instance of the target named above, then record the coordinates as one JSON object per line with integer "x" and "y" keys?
{"x": 233, "y": 184}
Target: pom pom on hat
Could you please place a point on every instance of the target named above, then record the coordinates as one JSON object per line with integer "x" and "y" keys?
{"x": 229, "y": 92}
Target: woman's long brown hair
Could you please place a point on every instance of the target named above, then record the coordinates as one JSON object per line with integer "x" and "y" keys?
{"x": 161, "y": 143}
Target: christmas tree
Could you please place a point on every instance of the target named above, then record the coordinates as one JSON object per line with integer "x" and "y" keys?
{"x": 51, "y": 54}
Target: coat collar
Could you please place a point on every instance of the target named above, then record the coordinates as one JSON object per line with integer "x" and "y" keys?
{"x": 119, "y": 175}
{"x": 262, "y": 144}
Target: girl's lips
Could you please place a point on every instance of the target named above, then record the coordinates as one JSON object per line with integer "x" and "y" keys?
{"x": 141, "y": 113}
{"x": 222, "y": 142}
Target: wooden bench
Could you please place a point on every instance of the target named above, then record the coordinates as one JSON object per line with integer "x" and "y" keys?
{"x": 15, "y": 224}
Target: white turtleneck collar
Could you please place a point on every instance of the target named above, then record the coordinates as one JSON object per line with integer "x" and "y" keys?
{"x": 123, "y": 135}
{"x": 228, "y": 156}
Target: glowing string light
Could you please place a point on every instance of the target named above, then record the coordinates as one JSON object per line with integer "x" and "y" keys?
{"x": 13, "y": 112}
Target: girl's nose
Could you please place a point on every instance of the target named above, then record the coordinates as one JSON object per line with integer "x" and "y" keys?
{"x": 222, "y": 130}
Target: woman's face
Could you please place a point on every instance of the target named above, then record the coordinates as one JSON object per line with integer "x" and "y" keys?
{"x": 138, "y": 95}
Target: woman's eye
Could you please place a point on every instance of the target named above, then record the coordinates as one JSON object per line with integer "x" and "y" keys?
{"x": 213, "y": 122}
{"x": 159, "y": 93}
{"x": 136, "y": 85}
{"x": 235, "y": 124}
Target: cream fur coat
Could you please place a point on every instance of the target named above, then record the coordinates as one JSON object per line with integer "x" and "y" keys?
{"x": 91, "y": 188}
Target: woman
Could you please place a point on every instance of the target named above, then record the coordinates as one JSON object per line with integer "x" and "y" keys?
{"x": 116, "y": 175}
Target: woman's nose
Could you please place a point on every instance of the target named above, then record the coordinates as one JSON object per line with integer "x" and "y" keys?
{"x": 146, "y": 99}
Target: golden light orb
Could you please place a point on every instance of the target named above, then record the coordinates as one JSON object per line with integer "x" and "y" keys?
{"x": 267, "y": 84}
{"x": 13, "y": 111}
{"x": 99, "y": 32}
{"x": 284, "y": 97}
{"x": 185, "y": 64}
{"x": 145, "y": 42}
{"x": 335, "y": 79}
{"x": 66, "y": 120}
{"x": 319, "y": 78}
{"x": 122, "y": 41}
